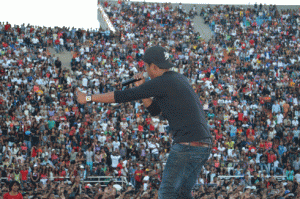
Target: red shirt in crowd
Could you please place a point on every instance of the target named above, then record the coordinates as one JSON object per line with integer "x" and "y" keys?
{"x": 120, "y": 166}
{"x": 72, "y": 132}
{"x": 141, "y": 128}
{"x": 57, "y": 41}
{"x": 129, "y": 58}
{"x": 243, "y": 45}
{"x": 7, "y": 27}
{"x": 33, "y": 154}
{"x": 63, "y": 101}
{"x": 138, "y": 175}
{"x": 5, "y": 45}
{"x": 148, "y": 120}
{"x": 219, "y": 136}
{"x": 268, "y": 145}
{"x": 271, "y": 158}
{"x": 262, "y": 145}
{"x": 215, "y": 102}
{"x": 76, "y": 149}
{"x": 240, "y": 116}
{"x": 231, "y": 121}
{"x": 24, "y": 174}
{"x": 81, "y": 130}
{"x": 152, "y": 128}
{"x": 54, "y": 156}
{"x": 62, "y": 174}
{"x": 43, "y": 176}
{"x": 59, "y": 35}
{"x": 250, "y": 131}
{"x": 75, "y": 110}
{"x": 63, "y": 118}
{"x": 141, "y": 63}
{"x": 8, "y": 196}
{"x": 215, "y": 149}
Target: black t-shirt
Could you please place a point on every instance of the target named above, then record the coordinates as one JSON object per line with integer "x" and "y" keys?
{"x": 53, "y": 138}
{"x": 11, "y": 138}
{"x": 284, "y": 159}
{"x": 35, "y": 138}
{"x": 255, "y": 180}
{"x": 4, "y": 130}
{"x": 20, "y": 134}
{"x": 294, "y": 149}
{"x": 178, "y": 102}
{"x": 27, "y": 137}
{"x": 57, "y": 64}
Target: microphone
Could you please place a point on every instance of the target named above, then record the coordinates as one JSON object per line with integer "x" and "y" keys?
{"x": 130, "y": 81}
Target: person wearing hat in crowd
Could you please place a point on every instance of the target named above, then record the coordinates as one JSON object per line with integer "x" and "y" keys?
{"x": 169, "y": 92}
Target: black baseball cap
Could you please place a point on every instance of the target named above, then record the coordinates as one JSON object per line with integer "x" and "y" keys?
{"x": 158, "y": 56}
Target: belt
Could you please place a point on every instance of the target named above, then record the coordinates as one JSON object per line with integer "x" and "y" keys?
{"x": 195, "y": 143}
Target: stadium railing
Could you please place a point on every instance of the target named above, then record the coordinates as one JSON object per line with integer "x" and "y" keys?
{"x": 92, "y": 179}
{"x": 279, "y": 178}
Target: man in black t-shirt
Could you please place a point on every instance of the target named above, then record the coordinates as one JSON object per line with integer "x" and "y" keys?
{"x": 293, "y": 151}
{"x": 57, "y": 63}
{"x": 255, "y": 180}
{"x": 35, "y": 138}
{"x": 170, "y": 94}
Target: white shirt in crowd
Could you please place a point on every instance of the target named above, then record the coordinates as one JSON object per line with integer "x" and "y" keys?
{"x": 116, "y": 144}
{"x": 146, "y": 180}
{"x": 84, "y": 81}
{"x": 115, "y": 161}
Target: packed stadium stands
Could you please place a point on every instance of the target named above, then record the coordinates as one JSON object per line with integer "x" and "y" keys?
{"x": 246, "y": 77}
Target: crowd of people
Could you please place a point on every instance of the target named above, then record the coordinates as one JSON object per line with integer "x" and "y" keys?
{"x": 246, "y": 77}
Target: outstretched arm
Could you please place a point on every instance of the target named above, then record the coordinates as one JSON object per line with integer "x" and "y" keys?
{"x": 102, "y": 98}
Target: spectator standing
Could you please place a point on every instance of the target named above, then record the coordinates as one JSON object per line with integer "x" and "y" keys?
{"x": 13, "y": 193}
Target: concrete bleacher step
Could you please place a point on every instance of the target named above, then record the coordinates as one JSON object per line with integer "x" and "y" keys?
{"x": 65, "y": 57}
{"x": 198, "y": 21}
{"x": 202, "y": 28}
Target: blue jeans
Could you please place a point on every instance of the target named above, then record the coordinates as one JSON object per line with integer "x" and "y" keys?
{"x": 57, "y": 48}
{"x": 155, "y": 156}
{"x": 270, "y": 167}
{"x": 28, "y": 144}
{"x": 181, "y": 171}
{"x": 90, "y": 164}
{"x": 263, "y": 166}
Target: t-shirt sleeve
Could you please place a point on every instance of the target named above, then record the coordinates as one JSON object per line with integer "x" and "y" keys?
{"x": 154, "y": 108}
{"x": 153, "y": 88}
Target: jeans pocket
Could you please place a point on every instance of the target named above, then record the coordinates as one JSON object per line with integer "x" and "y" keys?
{"x": 199, "y": 158}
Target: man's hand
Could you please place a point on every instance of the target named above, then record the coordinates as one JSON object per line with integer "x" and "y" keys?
{"x": 139, "y": 76}
{"x": 81, "y": 97}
